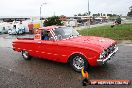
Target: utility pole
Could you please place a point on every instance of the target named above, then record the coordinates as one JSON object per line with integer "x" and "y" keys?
{"x": 41, "y": 12}
{"x": 88, "y": 16}
{"x": 54, "y": 13}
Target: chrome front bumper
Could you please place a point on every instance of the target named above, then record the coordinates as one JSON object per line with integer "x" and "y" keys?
{"x": 103, "y": 61}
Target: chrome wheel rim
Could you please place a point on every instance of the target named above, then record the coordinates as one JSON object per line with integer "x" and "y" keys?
{"x": 78, "y": 62}
{"x": 25, "y": 54}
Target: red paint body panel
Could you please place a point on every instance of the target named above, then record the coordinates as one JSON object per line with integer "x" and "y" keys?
{"x": 89, "y": 46}
{"x": 49, "y": 27}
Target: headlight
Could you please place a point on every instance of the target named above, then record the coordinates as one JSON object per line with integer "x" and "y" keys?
{"x": 107, "y": 51}
{"x": 103, "y": 54}
{"x": 115, "y": 46}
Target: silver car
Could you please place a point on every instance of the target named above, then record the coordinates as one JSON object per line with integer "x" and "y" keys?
{"x": 3, "y": 30}
{"x": 12, "y": 31}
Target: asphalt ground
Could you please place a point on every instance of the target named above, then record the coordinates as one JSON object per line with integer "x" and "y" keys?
{"x": 15, "y": 72}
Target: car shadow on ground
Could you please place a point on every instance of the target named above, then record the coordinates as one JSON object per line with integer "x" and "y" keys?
{"x": 66, "y": 66}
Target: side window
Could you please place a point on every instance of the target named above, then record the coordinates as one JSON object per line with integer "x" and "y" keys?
{"x": 46, "y": 35}
{"x": 58, "y": 34}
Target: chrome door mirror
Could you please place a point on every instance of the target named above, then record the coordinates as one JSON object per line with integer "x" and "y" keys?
{"x": 51, "y": 38}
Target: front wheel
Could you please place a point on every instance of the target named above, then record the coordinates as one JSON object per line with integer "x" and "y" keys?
{"x": 77, "y": 62}
{"x": 26, "y": 55}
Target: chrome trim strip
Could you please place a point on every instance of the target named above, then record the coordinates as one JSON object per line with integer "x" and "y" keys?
{"x": 101, "y": 62}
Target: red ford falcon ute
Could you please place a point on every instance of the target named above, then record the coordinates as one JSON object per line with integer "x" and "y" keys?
{"x": 64, "y": 44}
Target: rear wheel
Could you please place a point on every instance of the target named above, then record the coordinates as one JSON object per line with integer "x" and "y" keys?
{"x": 77, "y": 62}
{"x": 26, "y": 55}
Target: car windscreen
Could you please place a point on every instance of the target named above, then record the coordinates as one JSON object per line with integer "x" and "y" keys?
{"x": 65, "y": 32}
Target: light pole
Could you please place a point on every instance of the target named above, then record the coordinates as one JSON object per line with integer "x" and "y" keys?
{"x": 88, "y": 16}
{"x": 41, "y": 12}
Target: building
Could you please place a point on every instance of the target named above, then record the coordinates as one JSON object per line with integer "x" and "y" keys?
{"x": 13, "y": 18}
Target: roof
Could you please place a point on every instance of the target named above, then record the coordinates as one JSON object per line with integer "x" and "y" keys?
{"x": 49, "y": 27}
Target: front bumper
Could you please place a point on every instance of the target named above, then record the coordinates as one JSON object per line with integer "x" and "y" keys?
{"x": 103, "y": 61}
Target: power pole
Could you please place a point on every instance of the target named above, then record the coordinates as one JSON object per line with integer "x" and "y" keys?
{"x": 88, "y": 16}
{"x": 41, "y": 12}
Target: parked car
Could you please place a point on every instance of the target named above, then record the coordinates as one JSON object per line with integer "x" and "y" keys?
{"x": 12, "y": 32}
{"x": 16, "y": 30}
{"x": 21, "y": 29}
{"x": 0, "y": 30}
{"x": 3, "y": 30}
{"x": 64, "y": 44}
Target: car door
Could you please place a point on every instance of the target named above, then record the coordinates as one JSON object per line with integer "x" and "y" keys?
{"x": 48, "y": 49}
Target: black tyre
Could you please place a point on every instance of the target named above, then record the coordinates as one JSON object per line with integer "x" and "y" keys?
{"x": 26, "y": 55}
{"x": 77, "y": 62}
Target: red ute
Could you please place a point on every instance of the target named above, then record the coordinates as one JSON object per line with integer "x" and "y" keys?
{"x": 64, "y": 44}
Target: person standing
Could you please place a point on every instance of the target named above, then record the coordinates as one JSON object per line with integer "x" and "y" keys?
{"x": 118, "y": 20}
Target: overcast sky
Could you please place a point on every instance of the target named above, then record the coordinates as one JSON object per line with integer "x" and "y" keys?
{"x": 62, "y": 7}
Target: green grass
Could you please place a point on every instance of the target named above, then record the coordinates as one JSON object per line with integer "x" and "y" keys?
{"x": 119, "y": 32}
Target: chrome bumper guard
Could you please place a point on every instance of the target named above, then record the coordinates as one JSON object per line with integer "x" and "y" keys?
{"x": 103, "y": 61}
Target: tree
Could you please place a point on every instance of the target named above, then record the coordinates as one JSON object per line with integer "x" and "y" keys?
{"x": 79, "y": 14}
{"x": 85, "y": 14}
{"x": 104, "y": 14}
{"x": 75, "y": 15}
{"x": 109, "y": 15}
{"x": 130, "y": 8}
{"x": 114, "y": 15}
{"x": 89, "y": 13}
{"x": 130, "y": 13}
{"x": 101, "y": 14}
{"x": 98, "y": 14}
{"x": 95, "y": 15}
{"x": 54, "y": 20}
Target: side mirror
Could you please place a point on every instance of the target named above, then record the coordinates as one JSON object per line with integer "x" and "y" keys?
{"x": 51, "y": 38}
{"x": 59, "y": 37}
{"x": 56, "y": 38}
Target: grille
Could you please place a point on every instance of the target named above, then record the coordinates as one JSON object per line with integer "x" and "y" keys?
{"x": 109, "y": 50}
